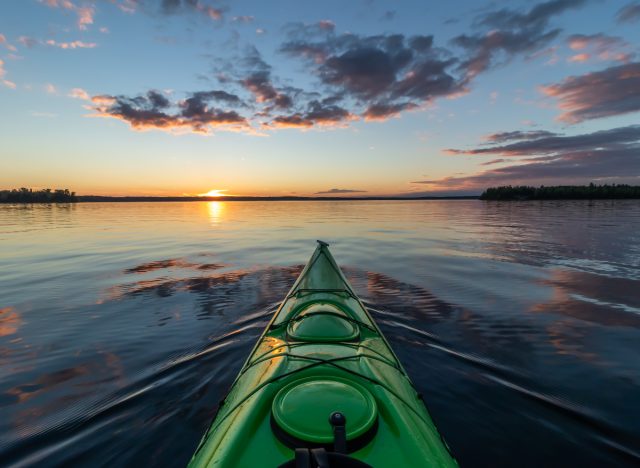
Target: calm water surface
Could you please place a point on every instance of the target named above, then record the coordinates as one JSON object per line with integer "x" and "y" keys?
{"x": 123, "y": 324}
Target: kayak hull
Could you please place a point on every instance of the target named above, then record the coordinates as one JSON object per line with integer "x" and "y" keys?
{"x": 322, "y": 351}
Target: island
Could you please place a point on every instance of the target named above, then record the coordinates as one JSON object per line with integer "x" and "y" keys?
{"x": 562, "y": 192}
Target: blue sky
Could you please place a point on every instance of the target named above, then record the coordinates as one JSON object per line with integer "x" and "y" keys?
{"x": 171, "y": 97}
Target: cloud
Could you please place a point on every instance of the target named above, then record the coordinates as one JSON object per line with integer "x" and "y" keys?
{"x": 602, "y": 46}
{"x": 3, "y": 72}
{"x": 71, "y": 45}
{"x": 5, "y": 43}
{"x": 534, "y": 143}
{"x": 170, "y": 7}
{"x": 79, "y": 93}
{"x": 607, "y": 155}
{"x": 612, "y": 91}
{"x": 327, "y": 25}
{"x": 259, "y": 82}
{"x": 337, "y": 191}
{"x": 316, "y": 114}
{"x": 579, "y": 58}
{"x": 85, "y": 13}
{"x": 382, "y": 111}
{"x": 126, "y": 6}
{"x": 154, "y": 110}
{"x": 493, "y": 161}
{"x": 59, "y": 4}
{"x": 503, "y": 137}
{"x": 245, "y": 19}
{"x": 85, "y": 16}
{"x": 504, "y": 33}
{"x": 380, "y": 75}
{"x": 368, "y": 77}
{"x": 629, "y": 13}
{"x": 27, "y": 41}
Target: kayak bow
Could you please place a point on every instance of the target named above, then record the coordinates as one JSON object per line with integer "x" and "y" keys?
{"x": 322, "y": 387}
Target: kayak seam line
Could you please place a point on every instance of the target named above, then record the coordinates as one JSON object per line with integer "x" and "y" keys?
{"x": 357, "y": 356}
{"x": 337, "y": 343}
{"x": 335, "y": 314}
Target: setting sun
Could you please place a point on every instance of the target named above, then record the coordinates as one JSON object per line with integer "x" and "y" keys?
{"x": 212, "y": 193}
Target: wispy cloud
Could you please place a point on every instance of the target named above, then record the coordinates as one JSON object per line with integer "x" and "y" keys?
{"x": 502, "y": 137}
{"x": 85, "y": 13}
{"x": 85, "y": 16}
{"x": 603, "y": 155}
{"x": 71, "y": 45}
{"x": 613, "y": 91}
{"x": 505, "y": 33}
{"x": 6, "y": 44}
{"x": 245, "y": 19}
{"x": 28, "y": 42}
{"x": 79, "y": 93}
{"x": 337, "y": 191}
{"x": 629, "y": 13}
{"x": 599, "y": 46}
{"x": 3, "y": 80}
{"x": 173, "y": 7}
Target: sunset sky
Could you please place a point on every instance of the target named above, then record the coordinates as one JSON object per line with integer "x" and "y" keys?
{"x": 358, "y": 97}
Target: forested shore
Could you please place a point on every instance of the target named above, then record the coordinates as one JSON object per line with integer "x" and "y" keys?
{"x": 27, "y": 195}
{"x": 562, "y": 192}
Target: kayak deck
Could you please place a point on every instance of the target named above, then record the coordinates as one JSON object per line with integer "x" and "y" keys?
{"x": 321, "y": 353}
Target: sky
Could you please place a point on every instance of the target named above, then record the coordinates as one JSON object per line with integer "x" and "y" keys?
{"x": 349, "y": 97}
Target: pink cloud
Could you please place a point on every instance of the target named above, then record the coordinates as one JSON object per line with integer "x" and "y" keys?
{"x": 599, "y": 46}
{"x": 5, "y": 43}
{"x": 213, "y": 13}
{"x": 613, "y": 91}
{"x": 79, "y": 93}
{"x": 71, "y": 45}
{"x": 66, "y": 4}
{"x": 127, "y": 6}
{"x": 579, "y": 58}
{"x": 85, "y": 17}
{"x": 85, "y": 13}
{"x": 3, "y": 72}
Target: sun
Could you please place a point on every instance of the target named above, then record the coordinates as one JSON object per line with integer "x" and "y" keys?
{"x": 213, "y": 193}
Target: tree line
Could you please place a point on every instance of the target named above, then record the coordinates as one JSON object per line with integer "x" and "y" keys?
{"x": 27, "y": 195}
{"x": 561, "y": 192}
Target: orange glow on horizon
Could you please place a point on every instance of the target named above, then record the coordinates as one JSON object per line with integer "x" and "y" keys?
{"x": 213, "y": 193}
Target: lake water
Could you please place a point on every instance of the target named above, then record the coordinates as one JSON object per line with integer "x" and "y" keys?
{"x": 123, "y": 324}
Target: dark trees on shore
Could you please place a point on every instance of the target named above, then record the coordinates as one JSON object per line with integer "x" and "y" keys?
{"x": 561, "y": 192}
{"x": 25, "y": 195}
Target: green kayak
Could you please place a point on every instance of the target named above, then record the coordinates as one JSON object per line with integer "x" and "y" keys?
{"x": 322, "y": 388}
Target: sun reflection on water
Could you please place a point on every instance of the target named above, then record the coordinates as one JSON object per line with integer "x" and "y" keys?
{"x": 216, "y": 211}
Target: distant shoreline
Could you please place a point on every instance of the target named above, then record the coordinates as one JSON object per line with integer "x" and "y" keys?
{"x": 503, "y": 193}
{"x": 96, "y": 199}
